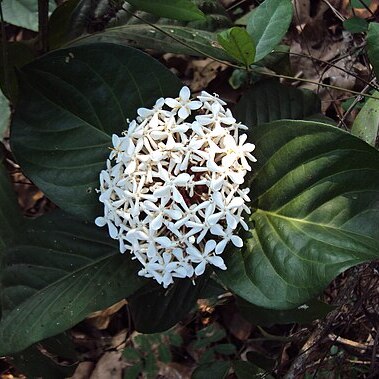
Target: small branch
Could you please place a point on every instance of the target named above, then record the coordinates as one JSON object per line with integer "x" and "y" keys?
{"x": 43, "y": 19}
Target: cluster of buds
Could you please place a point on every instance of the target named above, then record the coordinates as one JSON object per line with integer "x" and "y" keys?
{"x": 171, "y": 187}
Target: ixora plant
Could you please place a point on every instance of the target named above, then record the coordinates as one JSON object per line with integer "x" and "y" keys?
{"x": 178, "y": 186}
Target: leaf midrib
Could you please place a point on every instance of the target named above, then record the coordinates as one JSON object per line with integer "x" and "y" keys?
{"x": 294, "y": 220}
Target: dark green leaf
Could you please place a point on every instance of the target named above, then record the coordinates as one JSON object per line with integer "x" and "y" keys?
{"x": 60, "y": 24}
{"x": 208, "y": 356}
{"x": 261, "y": 360}
{"x": 171, "y": 39}
{"x": 247, "y": 370}
{"x": 17, "y": 55}
{"x": 131, "y": 355}
{"x": 373, "y": 46}
{"x": 268, "y": 101}
{"x": 60, "y": 271}
{"x": 23, "y": 13}
{"x": 225, "y": 349}
{"x": 72, "y": 101}
{"x": 316, "y": 201}
{"x": 214, "y": 370}
{"x": 356, "y": 25}
{"x": 278, "y": 60}
{"x": 360, "y": 3}
{"x": 212, "y": 289}
{"x": 238, "y": 78}
{"x": 268, "y": 24}
{"x": 216, "y": 17}
{"x": 177, "y": 9}
{"x": 304, "y": 314}
{"x": 366, "y": 124}
{"x": 155, "y": 309}
{"x": 133, "y": 372}
{"x": 164, "y": 354}
{"x": 208, "y": 335}
{"x": 238, "y": 44}
{"x": 37, "y": 364}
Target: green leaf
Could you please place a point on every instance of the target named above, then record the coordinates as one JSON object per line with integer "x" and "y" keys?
{"x": 60, "y": 271}
{"x": 42, "y": 360}
{"x": 316, "y": 199}
{"x": 214, "y": 370}
{"x": 212, "y": 289}
{"x": 171, "y": 39}
{"x": 155, "y": 309}
{"x": 268, "y": 24}
{"x": 183, "y": 10}
{"x": 360, "y": 3}
{"x": 269, "y": 100}
{"x": 23, "y": 13}
{"x": 5, "y": 115}
{"x": 60, "y": 23}
{"x": 17, "y": 55}
{"x": 88, "y": 16}
{"x": 373, "y": 46}
{"x": 247, "y": 370}
{"x": 266, "y": 317}
{"x": 356, "y": 25}
{"x": 178, "y": 37}
{"x": 225, "y": 349}
{"x": 238, "y": 78}
{"x": 366, "y": 123}
{"x": 133, "y": 371}
{"x": 72, "y": 101}
{"x": 238, "y": 44}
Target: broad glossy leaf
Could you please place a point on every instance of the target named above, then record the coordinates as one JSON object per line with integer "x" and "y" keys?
{"x": 72, "y": 101}
{"x": 34, "y": 363}
{"x": 184, "y": 10}
{"x": 184, "y": 40}
{"x": 60, "y": 271}
{"x": 366, "y": 123}
{"x": 269, "y": 100}
{"x": 268, "y": 24}
{"x": 373, "y": 46}
{"x": 238, "y": 44}
{"x": 23, "y": 13}
{"x": 5, "y": 114}
{"x": 304, "y": 314}
{"x": 315, "y": 197}
{"x": 155, "y": 309}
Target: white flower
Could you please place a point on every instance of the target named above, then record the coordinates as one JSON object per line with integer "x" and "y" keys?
{"x": 182, "y": 104}
{"x": 172, "y": 189}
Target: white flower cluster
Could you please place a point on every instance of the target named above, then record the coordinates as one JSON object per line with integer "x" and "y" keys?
{"x": 171, "y": 188}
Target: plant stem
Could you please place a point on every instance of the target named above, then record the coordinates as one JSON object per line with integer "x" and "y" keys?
{"x": 319, "y": 84}
{"x": 231, "y": 64}
{"x": 43, "y": 19}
